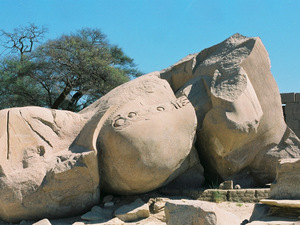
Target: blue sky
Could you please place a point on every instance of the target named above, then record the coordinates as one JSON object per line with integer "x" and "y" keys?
{"x": 158, "y": 33}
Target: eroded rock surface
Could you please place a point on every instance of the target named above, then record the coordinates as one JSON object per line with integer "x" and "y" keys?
{"x": 134, "y": 211}
{"x": 145, "y": 135}
{"x": 49, "y": 164}
{"x": 194, "y": 212}
{"x": 141, "y": 135}
{"x": 40, "y": 169}
{"x": 241, "y": 131}
{"x": 287, "y": 184}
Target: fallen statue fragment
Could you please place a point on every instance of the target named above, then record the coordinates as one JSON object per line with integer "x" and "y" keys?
{"x": 220, "y": 107}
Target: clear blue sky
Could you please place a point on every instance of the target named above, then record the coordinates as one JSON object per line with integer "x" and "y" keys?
{"x": 158, "y": 33}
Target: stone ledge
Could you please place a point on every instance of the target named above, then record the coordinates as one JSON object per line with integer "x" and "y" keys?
{"x": 281, "y": 202}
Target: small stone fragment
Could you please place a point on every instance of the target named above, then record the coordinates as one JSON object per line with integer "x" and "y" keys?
{"x": 226, "y": 185}
{"x": 114, "y": 221}
{"x": 24, "y": 222}
{"x": 190, "y": 212}
{"x": 43, "y": 222}
{"x": 136, "y": 210}
{"x": 105, "y": 212}
{"x": 92, "y": 216}
{"x": 97, "y": 213}
{"x": 237, "y": 186}
{"x": 108, "y": 204}
{"x": 159, "y": 206}
{"x": 108, "y": 198}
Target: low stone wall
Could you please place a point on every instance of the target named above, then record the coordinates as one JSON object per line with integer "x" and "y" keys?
{"x": 236, "y": 195}
{"x": 219, "y": 195}
{"x": 291, "y": 110}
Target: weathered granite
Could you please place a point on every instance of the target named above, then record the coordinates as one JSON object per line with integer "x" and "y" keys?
{"x": 139, "y": 125}
{"x": 287, "y": 183}
{"x": 40, "y": 168}
{"x": 192, "y": 212}
{"x": 241, "y": 131}
{"x": 136, "y": 210}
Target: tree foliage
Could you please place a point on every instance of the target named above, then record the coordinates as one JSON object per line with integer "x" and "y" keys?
{"x": 69, "y": 72}
{"x": 17, "y": 89}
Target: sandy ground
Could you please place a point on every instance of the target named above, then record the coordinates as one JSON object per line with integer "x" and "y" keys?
{"x": 242, "y": 210}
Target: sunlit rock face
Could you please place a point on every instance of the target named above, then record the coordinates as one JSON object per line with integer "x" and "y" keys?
{"x": 145, "y": 136}
{"x": 287, "y": 183}
{"x": 41, "y": 173}
{"x": 220, "y": 106}
{"x": 241, "y": 131}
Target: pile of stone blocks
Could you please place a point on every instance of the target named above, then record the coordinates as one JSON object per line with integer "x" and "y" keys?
{"x": 291, "y": 109}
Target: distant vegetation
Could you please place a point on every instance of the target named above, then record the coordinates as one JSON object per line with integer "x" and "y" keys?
{"x": 69, "y": 72}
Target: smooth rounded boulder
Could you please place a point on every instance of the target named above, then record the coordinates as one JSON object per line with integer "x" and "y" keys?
{"x": 145, "y": 135}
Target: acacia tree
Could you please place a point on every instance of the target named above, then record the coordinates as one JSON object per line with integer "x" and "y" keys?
{"x": 17, "y": 86}
{"x": 74, "y": 70}
{"x": 84, "y": 64}
{"x": 22, "y": 39}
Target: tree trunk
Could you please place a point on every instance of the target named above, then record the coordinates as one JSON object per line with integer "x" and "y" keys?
{"x": 74, "y": 100}
{"x": 62, "y": 96}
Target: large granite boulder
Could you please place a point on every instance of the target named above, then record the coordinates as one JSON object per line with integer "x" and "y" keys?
{"x": 41, "y": 173}
{"x": 241, "y": 132}
{"x": 145, "y": 135}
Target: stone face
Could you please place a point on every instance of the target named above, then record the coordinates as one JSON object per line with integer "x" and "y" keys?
{"x": 39, "y": 168}
{"x": 287, "y": 184}
{"x": 192, "y": 212}
{"x": 142, "y": 124}
{"x": 239, "y": 111}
